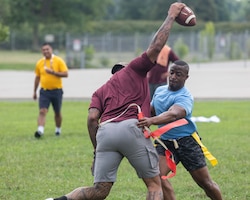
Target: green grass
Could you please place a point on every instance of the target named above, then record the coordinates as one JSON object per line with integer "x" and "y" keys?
{"x": 26, "y": 60}
{"x": 53, "y": 166}
{"x": 19, "y": 60}
{"x": 17, "y": 66}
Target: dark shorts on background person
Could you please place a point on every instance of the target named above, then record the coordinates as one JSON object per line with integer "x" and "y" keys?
{"x": 51, "y": 96}
{"x": 189, "y": 152}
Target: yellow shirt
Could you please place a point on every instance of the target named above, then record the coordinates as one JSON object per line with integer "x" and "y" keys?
{"x": 49, "y": 81}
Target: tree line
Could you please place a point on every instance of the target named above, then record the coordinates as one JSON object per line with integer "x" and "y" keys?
{"x": 207, "y": 10}
{"x": 78, "y": 16}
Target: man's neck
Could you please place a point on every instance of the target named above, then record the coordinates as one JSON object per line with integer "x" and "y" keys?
{"x": 49, "y": 57}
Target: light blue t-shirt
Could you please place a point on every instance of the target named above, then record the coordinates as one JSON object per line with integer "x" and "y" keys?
{"x": 164, "y": 98}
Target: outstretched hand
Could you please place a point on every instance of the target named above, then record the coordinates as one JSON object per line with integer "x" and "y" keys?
{"x": 34, "y": 96}
{"x": 175, "y": 9}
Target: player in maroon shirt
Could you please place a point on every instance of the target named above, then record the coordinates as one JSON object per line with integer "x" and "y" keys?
{"x": 121, "y": 137}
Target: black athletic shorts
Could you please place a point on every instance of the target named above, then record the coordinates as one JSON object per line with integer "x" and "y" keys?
{"x": 51, "y": 96}
{"x": 189, "y": 152}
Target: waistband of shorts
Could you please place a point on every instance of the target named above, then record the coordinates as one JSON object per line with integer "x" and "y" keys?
{"x": 45, "y": 89}
{"x": 175, "y": 141}
{"x": 116, "y": 122}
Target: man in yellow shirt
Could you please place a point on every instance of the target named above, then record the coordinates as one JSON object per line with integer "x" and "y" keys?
{"x": 49, "y": 73}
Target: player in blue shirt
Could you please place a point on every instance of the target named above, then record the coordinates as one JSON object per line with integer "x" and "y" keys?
{"x": 170, "y": 103}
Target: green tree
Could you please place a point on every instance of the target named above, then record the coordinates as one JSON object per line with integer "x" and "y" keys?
{"x": 35, "y": 13}
{"x": 208, "y": 35}
{"x": 181, "y": 48}
{"x": 150, "y": 10}
{"x": 142, "y": 10}
{"x": 157, "y": 11}
{"x": 206, "y": 10}
{"x": 246, "y": 6}
{"x": 222, "y": 10}
{"x": 133, "y": 9}
{"x": 4, "y": 32}
{"x": 239, "y": 10}
{"x": 247, "y": 10}
{"x": 4, "y": 11}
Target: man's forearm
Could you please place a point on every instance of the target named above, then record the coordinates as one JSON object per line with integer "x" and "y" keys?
{"x": 60, "y": 74}
{"x": 161, "y": 36}
{"x": 92, "y": 128}
{"x": 164, "y": 118}
{"x": 93, "y": 124}
{"x": 36, "y": 83}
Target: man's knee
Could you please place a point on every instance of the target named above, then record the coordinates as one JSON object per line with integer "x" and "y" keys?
{"x": 153, "y": 183}
{"x": 209, "y": 185}
{"x": 43, "y": 111}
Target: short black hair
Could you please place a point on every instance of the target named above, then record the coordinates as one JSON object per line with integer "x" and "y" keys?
{"x": 183, "y": 64}
{"x": 116, "y": 68}
{"x": 46, "y": 43}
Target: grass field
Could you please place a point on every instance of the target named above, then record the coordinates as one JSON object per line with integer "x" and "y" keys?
{"x": 52, "y": 166}
{"x": 18, "y": 60}
{"x": 26, "y": 60}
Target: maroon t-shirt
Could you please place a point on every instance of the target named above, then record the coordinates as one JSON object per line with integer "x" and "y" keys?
{"x": 154, "y": 75}
{"x": 127, "y": 86}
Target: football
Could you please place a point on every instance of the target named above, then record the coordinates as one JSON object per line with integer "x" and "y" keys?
{"x": 186, "y": 17}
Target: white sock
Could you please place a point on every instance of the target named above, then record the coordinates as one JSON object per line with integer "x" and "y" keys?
{"x": 40, "y": 129}
{"x": 58, "y": 129}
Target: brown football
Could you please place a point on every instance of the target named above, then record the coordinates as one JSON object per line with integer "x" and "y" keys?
{"x": 186, "y": 17}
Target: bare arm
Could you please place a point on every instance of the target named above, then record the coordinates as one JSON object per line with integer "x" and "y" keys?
{"x": 36, "y": 84}
{"x": 174, "y": 113}
{"x": 58, "y": 74}
{"x": 61, "y": 74}
{"x": 152, "y": 110}
{"x": 93, "y": 122}
{"x": 161, "y": 36}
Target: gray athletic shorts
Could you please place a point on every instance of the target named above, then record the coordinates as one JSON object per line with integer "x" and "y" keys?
{"x": 189, "y": 152}
{"x": 116, "y": 140}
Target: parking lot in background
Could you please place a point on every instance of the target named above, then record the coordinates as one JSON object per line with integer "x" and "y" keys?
{"x": 221, "y": 80}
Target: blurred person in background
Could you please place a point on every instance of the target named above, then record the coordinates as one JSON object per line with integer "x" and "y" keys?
{"x": 49, "y": 72}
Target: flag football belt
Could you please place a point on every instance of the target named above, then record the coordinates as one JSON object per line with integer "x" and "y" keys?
{"x": 155, "y": 135}
{"x": 169, "y": 156}
{"x": 207, "y": 154}
{"x": 205, "y": 151}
